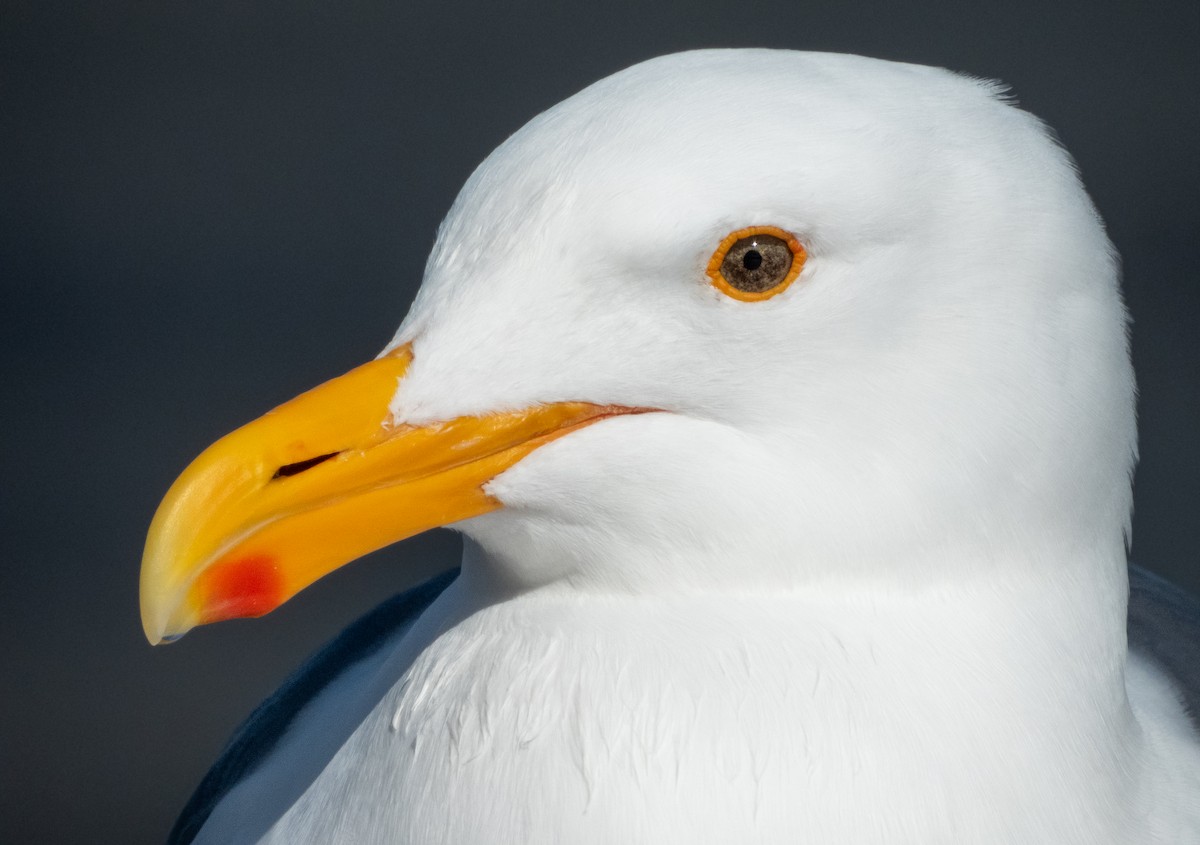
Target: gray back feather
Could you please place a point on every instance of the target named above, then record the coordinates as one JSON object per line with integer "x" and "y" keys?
{"x": 1164, "y": 624}
{"x": 254, "y": 740}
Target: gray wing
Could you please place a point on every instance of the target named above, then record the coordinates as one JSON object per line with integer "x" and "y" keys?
{"x": 1164, "y": 624}
{"x": 254, "y": 740}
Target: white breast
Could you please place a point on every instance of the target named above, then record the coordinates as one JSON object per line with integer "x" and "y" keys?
{"x": 761, "y": 719}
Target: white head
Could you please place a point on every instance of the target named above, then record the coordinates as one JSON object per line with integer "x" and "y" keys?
{"x": 946, "y": 387}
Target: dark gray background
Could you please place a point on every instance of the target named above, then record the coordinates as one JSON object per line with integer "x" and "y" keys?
{"x": 207, "y": 207}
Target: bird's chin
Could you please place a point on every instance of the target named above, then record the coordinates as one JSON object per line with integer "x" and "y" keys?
{"x": 493, "y": 568}
{"x": 622, "y": 506}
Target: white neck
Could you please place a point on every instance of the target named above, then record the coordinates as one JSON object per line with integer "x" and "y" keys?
{"x": 988, "y": 711}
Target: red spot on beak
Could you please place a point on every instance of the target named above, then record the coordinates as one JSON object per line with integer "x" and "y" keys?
{"x": 240, "y": 588}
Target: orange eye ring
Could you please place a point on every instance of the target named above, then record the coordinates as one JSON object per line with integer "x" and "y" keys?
{"x": 744, "y": 286}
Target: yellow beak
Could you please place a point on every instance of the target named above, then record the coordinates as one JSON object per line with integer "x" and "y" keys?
{"x": 319, "y": 481}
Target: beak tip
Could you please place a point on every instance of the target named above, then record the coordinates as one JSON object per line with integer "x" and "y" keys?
{"x": 153, "y": 629}
{"x": 157, "y": 622}
{"x": 158, "y": 635}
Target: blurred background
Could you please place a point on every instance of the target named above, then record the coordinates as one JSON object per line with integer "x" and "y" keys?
{"x": 206, "y": 208}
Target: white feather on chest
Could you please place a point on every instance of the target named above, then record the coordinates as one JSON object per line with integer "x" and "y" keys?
{"x": 770, "y": 719}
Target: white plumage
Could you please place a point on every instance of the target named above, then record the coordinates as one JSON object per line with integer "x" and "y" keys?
{"x": 865, "y": 580}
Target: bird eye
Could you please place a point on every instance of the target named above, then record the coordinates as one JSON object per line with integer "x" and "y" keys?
{"x": 756, "y": 263}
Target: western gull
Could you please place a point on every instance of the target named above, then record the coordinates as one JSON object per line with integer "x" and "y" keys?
{"x": 784, "y": 402}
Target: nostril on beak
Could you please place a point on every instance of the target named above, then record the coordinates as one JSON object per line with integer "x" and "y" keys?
{"x": 302, "y": 466}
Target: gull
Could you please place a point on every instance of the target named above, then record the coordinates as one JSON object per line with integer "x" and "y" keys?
{"x": 784, "y": 403}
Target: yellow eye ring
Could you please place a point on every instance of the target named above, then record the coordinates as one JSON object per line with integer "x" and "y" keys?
{"x": 756, "y": 263}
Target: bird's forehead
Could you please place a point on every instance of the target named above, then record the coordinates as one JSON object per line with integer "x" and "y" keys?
{"x": 677, "y": 147}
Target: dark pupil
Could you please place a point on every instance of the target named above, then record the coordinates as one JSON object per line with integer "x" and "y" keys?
{"x": 752, "y": 260}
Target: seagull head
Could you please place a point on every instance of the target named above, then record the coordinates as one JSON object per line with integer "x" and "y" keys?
{"x": 726, "y": 320}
